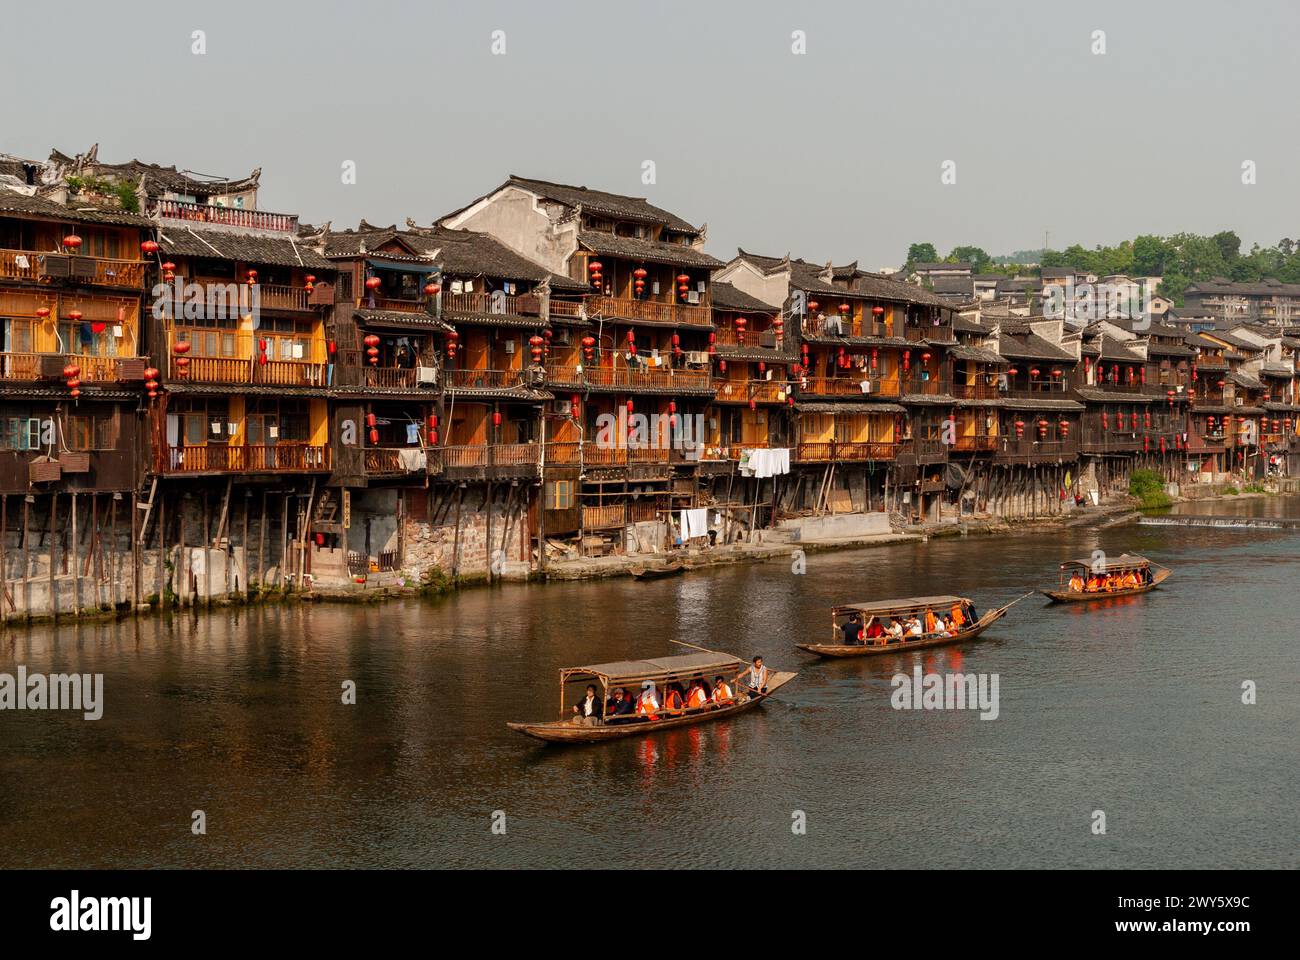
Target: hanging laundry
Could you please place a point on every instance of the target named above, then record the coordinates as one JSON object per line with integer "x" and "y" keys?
{"x": 412, "y": 433}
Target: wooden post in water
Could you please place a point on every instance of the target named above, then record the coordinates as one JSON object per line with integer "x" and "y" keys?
{"x": 27, "y": 581}
{"x": 284, "y": 539}
{"x": 135, "y": 550}
{"x": 54, "y": 600}
{"x": 261, "y": 545}
{"x": 76, "y": 570}
{"x": 162, "y": 546}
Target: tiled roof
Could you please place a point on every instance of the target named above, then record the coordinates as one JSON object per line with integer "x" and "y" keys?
{"x": 648, "y": 251}
{"x": 727, "y": 297}
{"x": 400, "y": 318}
{"x": 1031, "y": 346}
{"x": 965, "y": 352}
{"x": 616, "y": 205}
{"x": 247, "y": 248}
{"x": 1110, "y": 396}
{"x": 159, "y": 179}
{"x": 13, "y": 202}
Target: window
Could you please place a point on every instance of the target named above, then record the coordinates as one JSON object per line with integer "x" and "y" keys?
{"x": 559, "y": 495}
{"x": 20, "y": 432}
{"x": 97, "y": 432}
{"x": 17, "y": 335}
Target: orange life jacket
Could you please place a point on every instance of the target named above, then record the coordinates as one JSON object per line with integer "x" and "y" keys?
{"x": 929, "y": 621}
{"x": 696, "y": 699}
{"x": 673, "y": 701}
{"x": 646, "y": 706}
{"x": 957, "y": 618}
{"x": 722, "y": 693}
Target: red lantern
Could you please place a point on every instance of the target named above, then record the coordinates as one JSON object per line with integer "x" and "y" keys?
{"x": 1056, "y": 372}
{"x": 752, "y": 404}
{"x": 639, "y": 273}
{"x": 844, "y": 309}
{"x": 812, "y": 306}
{"x": 431, "y": 289}
{"x": 171, "y": 267}
{"x": 629, "y": 406}
{"x": 373, "y": 283}
{"x": 74, "y": 315}
{"x": 535, "y": 344}
{"x": 71, "y": 371}
{"x": 496, "y": 418}
{"x": 925, "y": 358}
{"x": 72, "y": 242}
{"x": 1105, "y": 420}
{"x": 374, "y": 437}
{"x": 1035, "y": 372}
{"x": 151, "y": 373}
{"x": 878, "y": 311}
{"x": 452, "y": 343}
{"x": 683, "y": 278}
{"x": 43, "y": 312}
{"x": 1012, "y": 371}
{"x": 181, "y": 347}
{"x": 149, "y": 247}
{"x": 595, "y": 266}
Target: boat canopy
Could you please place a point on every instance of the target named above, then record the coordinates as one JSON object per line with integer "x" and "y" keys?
{"x": 902, "y": 603}
{"x": 1125, "y": 561}
{"x": 660, "y": 667}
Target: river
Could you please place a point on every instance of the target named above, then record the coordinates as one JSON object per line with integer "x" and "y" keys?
{"x": 1132, "y": 708}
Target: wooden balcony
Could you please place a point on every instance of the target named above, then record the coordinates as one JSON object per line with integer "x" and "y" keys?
{"x": 97, "y": 271}
{"x": 632, "y": 378}
{"x": 522, "y": 305}
{"x": 1025, "y": 449}
{"x": 942, "y": 331}
{"x": 243, "y": 363}
{"x": 281, "y": 296}
{"x": 226, "y": 216}
{"x": 977, "y": 391}
{"x": 849, "y": 387}
{"x": 394, "y": 378}
{"x": 605, "y": 516}
{"x": 979, "y": 444}
{"x": 564, "y": 453}
{"x": 742, "y": 391}
{"x": 565, "y": 308}
{"x": 487, "y": 460}
{"x": 840, "y": 451}
{"x": 392, "y": 303}
{"x": 922, "y": 450}
{"x": 233, "y": 458}
{"x": 934, "y": 387}
{"x": 685, "y": 314}
{"x": 831, "y": 327}
{"x": 49, "y": 366}
{"x": 1094, "y": 440}
{"x": 483, "y": 379}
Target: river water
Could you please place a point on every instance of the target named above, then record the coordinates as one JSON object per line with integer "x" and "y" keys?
{"x": 1132, "y": 708}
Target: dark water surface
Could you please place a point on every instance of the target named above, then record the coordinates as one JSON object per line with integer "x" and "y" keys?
{"x": 1133, "y": 708}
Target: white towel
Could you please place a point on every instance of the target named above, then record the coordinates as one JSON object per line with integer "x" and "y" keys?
{"x": 694, "y": 523}
{"x": 411, "y": 459}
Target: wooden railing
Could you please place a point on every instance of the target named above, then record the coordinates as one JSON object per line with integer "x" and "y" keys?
{"x": 33, "y": 366}
{"x": 482, "y": 379}
{"x": 942, "y": 331}
{"x": 632, "y": 377}
{"x": 564, "y": 308}
{"x": 850, "y": 387}
{"x": 562, "y": 452}
{"x": 243, "y": 365}
{"x": 521, "y": 305}
{"x": 482, "y": 456}
{"x": 837, "y": 450}
{"x": 980, "y": 444}
{"x": 650, "y": 310}
{"x": 604, "y": 516}
{"x": 1028, "y": 448}
{"x": 392, "y": 303}
{"x": 826, "y": 326}
{"x": 107, "y": 272}
{"x": 276, "y": 458}
{"x": 933, "y": 387}
{"x": 393, "y": 378}
{"x": 977, "y": 391}
{"x": 229, "y": 216}
{"x": 281, "y": 296}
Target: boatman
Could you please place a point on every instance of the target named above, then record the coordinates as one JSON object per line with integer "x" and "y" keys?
{"x": 755, "y": 678}
{"x": 852, "y": 628}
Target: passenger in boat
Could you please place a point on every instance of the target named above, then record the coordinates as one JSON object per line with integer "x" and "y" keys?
{"x": 721, "y": 693}
{"x": 647, "y": 705}
{"x": 956, "y": 618}
{"x": 893, "y": 632}
{"x": 755, "y": 678}
{"x": 1076, "y": 582}
{"x": 586, "y": 711}
{"x": 930, "y": 620}
{"x": 675, "y": 699}
{"x": 941, "y": 627}
{"x": 697, "y": 698}
{"x": 619, "y": 707}
{"x": 971, "y": 616}
{"x": 852, "y": 630}
{"x": 875, "y": 631}
{"x": 1093, "y": 585}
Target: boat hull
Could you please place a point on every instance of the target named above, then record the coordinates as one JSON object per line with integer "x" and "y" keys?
{"x": 561, "y": 731}
{"x": 657, "y": 573}
{"x": 1069, "y": 596}
{"x": 874, "y": 650}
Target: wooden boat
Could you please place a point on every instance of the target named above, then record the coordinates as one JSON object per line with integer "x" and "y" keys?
{"x": 1151, "y": 575}
{"x": 632, "y": 674}
{"x": 649, "y": 571}
{"x": 905, "y": 607}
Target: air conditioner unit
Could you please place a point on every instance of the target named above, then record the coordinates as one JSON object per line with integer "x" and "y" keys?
{"x": 425, "y": 375}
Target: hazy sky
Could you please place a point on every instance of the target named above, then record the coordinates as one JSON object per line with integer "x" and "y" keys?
{"x": 834, "y": 154}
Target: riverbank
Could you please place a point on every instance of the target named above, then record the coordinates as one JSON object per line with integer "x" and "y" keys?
{"x": 786, "y": 542}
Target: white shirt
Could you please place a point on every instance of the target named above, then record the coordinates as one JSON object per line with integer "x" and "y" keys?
{"x": 589, "y": 707}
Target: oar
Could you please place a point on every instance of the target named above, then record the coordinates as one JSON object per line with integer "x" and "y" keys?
{"x": 1008, "y": 606}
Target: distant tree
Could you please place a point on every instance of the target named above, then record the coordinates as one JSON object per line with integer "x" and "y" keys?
{"x": 921, "y": 253}
{"x": 975, "y": 256}
{"x": 1229, "y": 245}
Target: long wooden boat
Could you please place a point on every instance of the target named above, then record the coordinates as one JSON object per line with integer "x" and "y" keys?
{"x": 632, "y": 674}
{"x": 653, "y": 571}
{"x": 1151, "y": 575}
{"x": 904, "y": 607}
